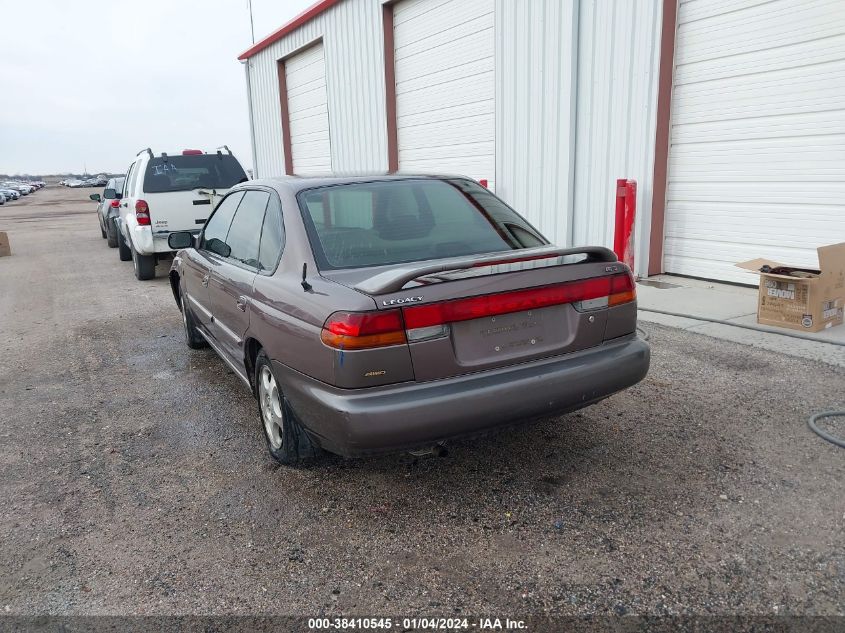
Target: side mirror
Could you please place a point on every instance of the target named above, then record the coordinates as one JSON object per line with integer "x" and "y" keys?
{"x": 95, "y": 197}
{"x": 180, "y": 240}
{"x": 109, "y": 194}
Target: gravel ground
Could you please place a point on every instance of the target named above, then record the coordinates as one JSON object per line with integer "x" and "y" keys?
{"x": 134, "y": 479}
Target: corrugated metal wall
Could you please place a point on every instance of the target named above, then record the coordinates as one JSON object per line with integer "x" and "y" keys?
{"x": 354, "y": 49}
{"x": 576, "y": 101}
{"x": 536, "y": 51}
{"x": 618, "y": 60}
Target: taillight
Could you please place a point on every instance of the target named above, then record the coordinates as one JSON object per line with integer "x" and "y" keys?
{"x": 191, "y": 152}
{"x": 612, "y": 290}
{"x": 622, "y": 289}
{"x": 363, "y": 330}
{"x": 142, "y": 213}
{"x": 114, "y": 204}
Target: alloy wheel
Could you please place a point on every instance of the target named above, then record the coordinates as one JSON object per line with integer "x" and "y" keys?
{"x": 272, "y": 412}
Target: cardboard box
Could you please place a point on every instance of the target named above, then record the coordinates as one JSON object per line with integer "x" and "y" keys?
{"x": 811, "y": 303}
{"x": 5, "y": 249}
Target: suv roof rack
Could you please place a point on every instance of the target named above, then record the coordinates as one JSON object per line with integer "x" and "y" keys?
{"x": 226, "y": 147}
{"x": 148, "y": 150}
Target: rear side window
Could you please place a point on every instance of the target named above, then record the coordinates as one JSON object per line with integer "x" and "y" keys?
{"x": 388, "y": 222}
{"x": 130, "y": 179}
{"x": 245, "y": 232}
{"x": 272, "y": 236}
{"x": 184, "y": 173}
{"x": 217, "y": 227}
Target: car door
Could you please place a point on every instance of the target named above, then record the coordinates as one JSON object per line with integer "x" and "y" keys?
{"x": 230, "y": 286}
{"x": 210, "y": 251}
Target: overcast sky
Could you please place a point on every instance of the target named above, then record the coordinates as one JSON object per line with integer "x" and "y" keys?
{"x": 89, "y": 83}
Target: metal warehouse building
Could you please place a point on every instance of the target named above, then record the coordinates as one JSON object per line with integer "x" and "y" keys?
{"x": 730, "y": 114}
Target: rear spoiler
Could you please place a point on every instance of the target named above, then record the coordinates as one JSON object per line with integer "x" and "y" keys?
{"x": 394, "y": 280}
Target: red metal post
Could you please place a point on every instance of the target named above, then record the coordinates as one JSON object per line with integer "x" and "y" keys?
{"x": 619, "y": 221}
{"x": 623, "y": 230}
{"x": 630, "y": 214}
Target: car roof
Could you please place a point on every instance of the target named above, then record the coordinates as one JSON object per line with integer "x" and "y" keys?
{"x": 295, "y": 184}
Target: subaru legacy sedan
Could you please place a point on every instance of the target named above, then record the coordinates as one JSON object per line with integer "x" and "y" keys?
{"x": 389, "y": 313}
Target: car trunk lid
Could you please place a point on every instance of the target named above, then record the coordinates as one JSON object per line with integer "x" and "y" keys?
{"x": 479, "y": 313}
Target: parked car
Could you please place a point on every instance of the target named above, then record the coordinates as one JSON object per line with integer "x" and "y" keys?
{"x": 22, "y": 189}
{"x": 107, "y": 209}
{"x": 390, "y": 313}
{"x": 167, "y": 193}
{"x": 10, "y": 194}
{"x": 2, "y": 199}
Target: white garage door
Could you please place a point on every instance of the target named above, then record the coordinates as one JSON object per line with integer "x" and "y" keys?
{"x": 757, "y": 156}
{"x": 445, "y": 84}
{"x": 305, "y": 78}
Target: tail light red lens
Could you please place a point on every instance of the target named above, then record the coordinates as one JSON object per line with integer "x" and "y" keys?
{"x": 364, "y": 330}
{"x": 114, "y": 204}
{"x": 142, "y": 213}
{"x": 618, "y": 288}
{"x": 191, "y": 152}
{"x": 622, "y": 290}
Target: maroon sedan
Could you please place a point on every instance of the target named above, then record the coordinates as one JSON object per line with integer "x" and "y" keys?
{"x": 386, "y": 313}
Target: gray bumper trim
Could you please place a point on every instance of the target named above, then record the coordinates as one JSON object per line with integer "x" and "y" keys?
{"x": 407, "y": 415}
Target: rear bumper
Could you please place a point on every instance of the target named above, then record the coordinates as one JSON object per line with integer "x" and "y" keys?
{"x": 355, "y": 422}
{"x": 147, "y": 243}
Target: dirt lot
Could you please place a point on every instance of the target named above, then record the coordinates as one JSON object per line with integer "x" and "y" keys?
{"x": 134, "y": 479}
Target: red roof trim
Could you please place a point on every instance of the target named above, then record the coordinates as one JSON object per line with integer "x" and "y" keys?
{"x": 307, "y": 15}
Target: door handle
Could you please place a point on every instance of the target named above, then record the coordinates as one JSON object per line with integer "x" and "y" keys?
{"x": 205, "y": 281}
{"x": 241, "y": 303}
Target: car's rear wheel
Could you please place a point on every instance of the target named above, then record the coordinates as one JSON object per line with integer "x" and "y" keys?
{"x": 145, "y": 265}
{"x": 287, "y": 441}
{"x": 102, "y": 230}
{"x": 111, "y": 233}
{"x": 193, "y": 338}
{"x": 123, "y": 250}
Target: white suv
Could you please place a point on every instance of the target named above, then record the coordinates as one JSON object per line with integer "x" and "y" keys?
{"x": 167, "y": 193}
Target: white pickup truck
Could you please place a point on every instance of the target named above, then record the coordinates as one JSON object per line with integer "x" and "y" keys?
{"x": 167, "y": 193}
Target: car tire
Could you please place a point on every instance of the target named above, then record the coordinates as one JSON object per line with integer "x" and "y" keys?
{"x": 123, "y": 250}
{"x": 102, "y": 230}
{"x": 145, "y": 265}
{"x": 287, "y": 441}
{"x": 193, "y": 338}
{"x": 111, "y": 233}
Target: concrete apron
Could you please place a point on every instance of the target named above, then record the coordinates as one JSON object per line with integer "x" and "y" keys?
{"x": 735, "y": 304}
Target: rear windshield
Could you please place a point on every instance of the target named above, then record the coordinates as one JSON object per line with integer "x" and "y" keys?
{"x": 390, "y": 222}
{"x": 183, "y": 173}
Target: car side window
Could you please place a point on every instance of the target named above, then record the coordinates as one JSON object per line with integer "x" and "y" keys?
{"x": 272, "y": 236}
{"x": 128, "y": 179}
{"x": 245, "y": 232}
{"x": 217, "y": 227}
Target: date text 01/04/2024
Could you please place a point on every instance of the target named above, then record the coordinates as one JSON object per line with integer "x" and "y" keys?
{"x": 421, "y": 623}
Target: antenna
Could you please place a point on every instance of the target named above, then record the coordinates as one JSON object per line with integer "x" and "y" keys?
{"x": 305, "y": 285}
